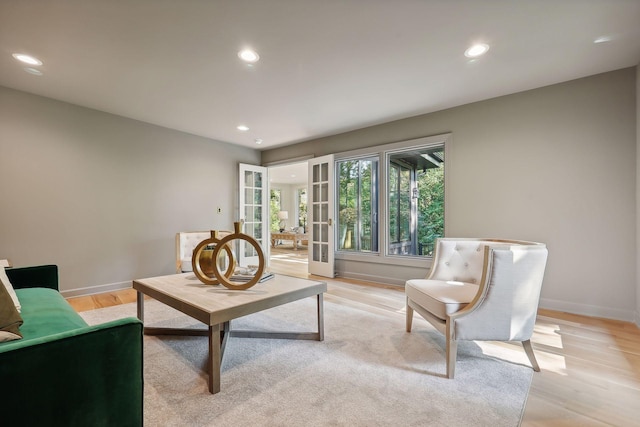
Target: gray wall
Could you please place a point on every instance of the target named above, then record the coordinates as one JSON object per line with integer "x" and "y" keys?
{"x": 638, "y": 195}
{"x": 555, "y": 164}
{"x": 103, "y": 196}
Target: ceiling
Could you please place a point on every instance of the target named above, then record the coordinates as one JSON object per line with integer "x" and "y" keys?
{"x": 290, "y": 174}
{"x": 325, "y": 67}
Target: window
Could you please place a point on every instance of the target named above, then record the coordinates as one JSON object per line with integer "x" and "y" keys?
{"x": 274, "y": 208}
{"x": 301, "y": 197}
{"x": 410, "y": 188}
{"x": 416, "y": 200}
{"x": 358, "y": 205}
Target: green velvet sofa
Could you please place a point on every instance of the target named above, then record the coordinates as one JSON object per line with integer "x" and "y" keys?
{"x": 64, "y": 372}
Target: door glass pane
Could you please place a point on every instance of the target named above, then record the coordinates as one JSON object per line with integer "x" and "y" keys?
{"x": 325, "y": 233}
{"x": 316, "y": 173}
{"x": 324, "y": 193}
{"x": 258, "y": 180}
{"x": 249, "y": 251}
{"x": 324, "y": 256}
{"x": 325, "y": 172}
{"x": 316, "y": 252}
{"x": 248, "y": 212}
{"x": 248, "y": 179}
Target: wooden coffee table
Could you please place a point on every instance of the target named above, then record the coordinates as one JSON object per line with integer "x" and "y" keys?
{"x": 216, "y": 306}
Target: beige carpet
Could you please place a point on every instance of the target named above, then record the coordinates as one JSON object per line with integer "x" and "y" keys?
{"x": 367, "y": 372}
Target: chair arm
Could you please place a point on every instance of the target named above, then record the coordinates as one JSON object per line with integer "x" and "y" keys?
{"x": 86, "y": 376}
{"x": 41, "y": 276}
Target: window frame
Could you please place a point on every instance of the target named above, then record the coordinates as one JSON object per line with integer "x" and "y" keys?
{"x": 383, "y": 152}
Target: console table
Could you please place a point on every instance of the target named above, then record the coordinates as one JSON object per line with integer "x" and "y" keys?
{"x": 295, "y": 237}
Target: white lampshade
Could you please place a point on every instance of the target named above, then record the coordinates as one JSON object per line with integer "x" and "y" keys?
{"x": 283, "y": 215}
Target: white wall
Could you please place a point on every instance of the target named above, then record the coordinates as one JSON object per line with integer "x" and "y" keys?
{"x": 288, "y": 200}
{"x": 103, "y": 196}
{"x": 555, "y": 164}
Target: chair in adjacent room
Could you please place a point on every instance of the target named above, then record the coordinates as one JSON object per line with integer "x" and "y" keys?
{"x": 480, "y": 289}
{"x": 186, "y": 242}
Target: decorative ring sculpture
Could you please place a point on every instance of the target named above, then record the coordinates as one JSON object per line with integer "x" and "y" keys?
{"x": 224, "y": 243}
{"x": 205, "y": 262}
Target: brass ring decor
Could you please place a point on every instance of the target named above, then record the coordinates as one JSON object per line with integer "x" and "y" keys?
{"x": 205, "y": 259}
{"x": 223, "y": 243}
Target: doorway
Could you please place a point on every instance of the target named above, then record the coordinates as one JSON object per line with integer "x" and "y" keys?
{"x": 288, "y": 188}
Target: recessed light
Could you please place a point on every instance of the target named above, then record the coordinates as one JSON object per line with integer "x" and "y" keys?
{"x": 258, "y": 141}
{"x": 476, "y": 50}
{"x": 27, "y": 59}
{"x": 248, "y": 55}
{"x": 33, "y": 71}
{"x": 242, "y": 128}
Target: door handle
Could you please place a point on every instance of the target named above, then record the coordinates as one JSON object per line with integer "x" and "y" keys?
{"x": 329, "y": 222}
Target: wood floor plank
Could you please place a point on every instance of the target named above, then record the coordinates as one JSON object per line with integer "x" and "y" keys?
{"x": 590, "y": 366}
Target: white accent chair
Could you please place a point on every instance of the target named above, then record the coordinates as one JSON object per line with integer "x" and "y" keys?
{"x": 480, "y": 289}
{"x": 186, "y": 242}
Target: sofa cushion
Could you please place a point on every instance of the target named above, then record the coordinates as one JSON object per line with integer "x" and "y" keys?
{"x": 10, "y": 319}
{"x": 9, "y": 287}
{"x": 46, "y": 312}
{"x": 441, "y": 297}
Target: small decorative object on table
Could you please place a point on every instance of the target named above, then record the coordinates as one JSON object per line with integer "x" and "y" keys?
{"x": 205, "y": 259}
{"x": 250, "y": 276}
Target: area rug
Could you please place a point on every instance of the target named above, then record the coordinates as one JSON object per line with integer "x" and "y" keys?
{"x": 367, "y": 372}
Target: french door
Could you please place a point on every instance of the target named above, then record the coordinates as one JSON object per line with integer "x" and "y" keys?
{"x": 254, "y": 212}
{"x": 320, "y": 216}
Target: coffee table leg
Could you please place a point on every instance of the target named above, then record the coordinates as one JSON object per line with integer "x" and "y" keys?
{"x": 320, "y": 316}
{"x": 140, "y": 305}
{"x": 214, "y": 359}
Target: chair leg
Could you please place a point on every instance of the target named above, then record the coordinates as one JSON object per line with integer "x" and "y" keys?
{"x": 452, "y": 352}
{"x": 532, "y": 357}
{"x": 409, "y": 316}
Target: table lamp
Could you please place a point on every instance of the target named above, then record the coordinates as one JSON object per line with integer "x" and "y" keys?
{"x": 283, "y": 216}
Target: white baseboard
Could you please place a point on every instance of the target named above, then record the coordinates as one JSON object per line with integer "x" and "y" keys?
{"x": 550, "y": 304}
{"x": 92, "y": 290}
{"x": 589, "y": 310}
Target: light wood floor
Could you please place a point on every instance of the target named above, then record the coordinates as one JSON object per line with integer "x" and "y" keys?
{"x": 590, "y": 367}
